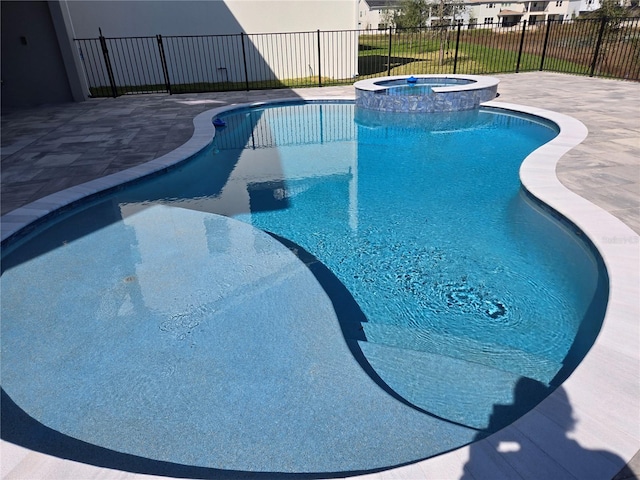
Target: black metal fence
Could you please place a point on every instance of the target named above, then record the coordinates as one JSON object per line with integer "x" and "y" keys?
{"x": 179, "y": 64}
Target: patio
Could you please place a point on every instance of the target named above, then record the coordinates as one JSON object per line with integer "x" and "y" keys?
{"x": 52, "y": 148}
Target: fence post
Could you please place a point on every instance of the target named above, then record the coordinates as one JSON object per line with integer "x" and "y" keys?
{"x": 524, "y": 28}
{"x": 455, "y": 58}
{"x": 107, "y": 63}
{"x": 389, "y": 54}
{"x": 319, "y": 62}
{"x": 546, "y": 40}
{"x": 603, "y": 24}
{"x": 244, "y": 59}
{"x": 163, "y": 60}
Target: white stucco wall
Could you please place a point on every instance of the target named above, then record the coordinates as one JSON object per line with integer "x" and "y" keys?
{"x": 282, "y": 57}
{"x": 208, "y": 17}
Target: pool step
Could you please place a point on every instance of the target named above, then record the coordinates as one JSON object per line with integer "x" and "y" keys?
{"x": 454, "y": 389}
{"x": 496, "y": 356}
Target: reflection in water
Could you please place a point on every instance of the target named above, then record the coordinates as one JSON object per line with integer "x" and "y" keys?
{"x": 261, "y": 160}
{"x": 311, "y": 124}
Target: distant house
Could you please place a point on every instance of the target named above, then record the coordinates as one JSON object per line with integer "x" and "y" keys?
{"x": 374, "y": 14}
{"x": 481, "y": 13}
{"x": 506, "y": 13}
{"x": 589, "y": 5}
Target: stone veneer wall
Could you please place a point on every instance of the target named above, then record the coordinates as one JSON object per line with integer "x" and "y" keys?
{"x": 433, "y": 102}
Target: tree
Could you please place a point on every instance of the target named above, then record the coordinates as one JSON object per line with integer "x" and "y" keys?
{"x": 412, "y": 15}
{"x": 387, "y": 16}
{"x": 446, "y": 13}
{"x": 612, "y": 11}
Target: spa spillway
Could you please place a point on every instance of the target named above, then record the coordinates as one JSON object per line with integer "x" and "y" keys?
{"x": 425, "y": 93}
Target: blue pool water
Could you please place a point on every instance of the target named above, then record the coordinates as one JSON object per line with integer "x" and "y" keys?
{"x": 322, "y": 289}
{"x": 421, "y": 86}
{"x": 410, "y": 90}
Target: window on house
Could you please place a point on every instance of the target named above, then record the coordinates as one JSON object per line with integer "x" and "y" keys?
{"x": 491, "y": 5}
{"x": 559, "y": 3}
{"x": 488, "y": 20}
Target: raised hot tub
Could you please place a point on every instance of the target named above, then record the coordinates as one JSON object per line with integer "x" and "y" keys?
{"x": 425, "y": 93}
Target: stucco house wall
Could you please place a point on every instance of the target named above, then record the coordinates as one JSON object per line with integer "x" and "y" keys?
{"x": 208, "y": 17}
{"x": 37, "y": 67}
{"x": 281, "y": 57}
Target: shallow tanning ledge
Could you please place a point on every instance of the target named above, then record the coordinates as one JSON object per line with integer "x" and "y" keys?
{"x": 425, "y": 93}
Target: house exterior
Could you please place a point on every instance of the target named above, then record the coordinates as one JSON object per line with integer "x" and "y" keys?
{"x": 373, "y": 14}
{"x": 480, "y": 13}
{"x": 267, "y": 56}
{"x": 39, "y": 63}
{"x": 36, "y": 34}
{"x": 589, "y": 5}
{"x": 507, "y": 13}
{"x": 126, "y": 18}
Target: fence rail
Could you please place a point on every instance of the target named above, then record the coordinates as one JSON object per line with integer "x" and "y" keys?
{"x": 205, "y": 63}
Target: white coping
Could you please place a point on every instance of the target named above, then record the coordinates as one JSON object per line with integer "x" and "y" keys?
{"x": 478, "y": 82}
{"x": 602, "y": 394}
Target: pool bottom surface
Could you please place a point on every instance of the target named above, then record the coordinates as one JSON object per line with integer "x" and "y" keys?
{"x": 252, "y": 373}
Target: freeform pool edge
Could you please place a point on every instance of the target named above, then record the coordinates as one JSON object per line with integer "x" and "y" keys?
{"x": 601, "y": 378}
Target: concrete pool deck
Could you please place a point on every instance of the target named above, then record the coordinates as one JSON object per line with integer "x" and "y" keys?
{"x": 48, "y": 149}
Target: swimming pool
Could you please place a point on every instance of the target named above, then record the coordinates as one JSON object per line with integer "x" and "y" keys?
{"x": 215, "y": 250}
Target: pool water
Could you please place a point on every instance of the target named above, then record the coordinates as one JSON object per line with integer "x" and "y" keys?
{"x": 322, "y": 289}
{"x": 427, "y": 227}
{"x": 411, "y": 90}
{"x": 422, "y": 86}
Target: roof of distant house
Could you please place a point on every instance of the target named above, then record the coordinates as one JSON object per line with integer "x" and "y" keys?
{"x": 375, "y": 4}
